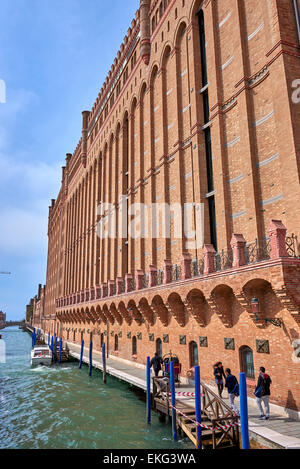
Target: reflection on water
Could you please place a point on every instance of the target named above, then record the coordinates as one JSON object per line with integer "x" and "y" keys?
{"x": 61, "y": 407}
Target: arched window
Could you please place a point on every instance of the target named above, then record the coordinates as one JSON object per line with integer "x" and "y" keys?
{"x": 134, "y": 345}
{"x": 193, "y": 354}
{"x": 246, "y": 361}
{"x": 116, "y": 342}
{"x": 159, "y": 347}
{"x": 91, "y": 337}
{"x": 74, "y": 336}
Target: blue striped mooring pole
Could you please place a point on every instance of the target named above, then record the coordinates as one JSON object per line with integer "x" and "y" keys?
{"x": 173, "y": 402}
{"x": 55, "y": 348}
{"x": 198, "y": 406}
{"x": 104, "y": 362}
{"x": 148, "y": 391}
{"x": 60, "y": 347}
{"x": 81, "y": 354}
{"x": 91, "y": 359}
{"x": 244, "y": 412}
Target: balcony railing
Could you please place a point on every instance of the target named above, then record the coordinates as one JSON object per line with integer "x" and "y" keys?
{"x": 250, "y": 253}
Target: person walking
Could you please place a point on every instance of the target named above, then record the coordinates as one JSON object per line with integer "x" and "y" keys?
{"x": 156, "y": 362}
{"x": 219, "y": 374}
{"x": 232, "y": 385}
{"x": 262, "y": 393}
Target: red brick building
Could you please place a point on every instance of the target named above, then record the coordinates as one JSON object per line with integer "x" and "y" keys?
{"x": 199, "y": 110}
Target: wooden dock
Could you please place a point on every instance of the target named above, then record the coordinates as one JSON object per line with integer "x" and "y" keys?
{"x": 220, "y": 424}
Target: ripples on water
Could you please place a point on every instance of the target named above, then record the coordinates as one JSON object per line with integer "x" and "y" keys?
{"x": 61, "y": 407}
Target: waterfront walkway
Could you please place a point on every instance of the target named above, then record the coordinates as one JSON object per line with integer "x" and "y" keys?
{"x": 277, "y": 432}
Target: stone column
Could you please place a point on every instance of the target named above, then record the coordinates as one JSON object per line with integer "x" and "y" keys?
{"x": 167, "y": 271}
{"x": 209, "y": 256}
{"x": 238, "y": 244}
{"x": 277, "y": 233}
{"x": 186, "y": 262}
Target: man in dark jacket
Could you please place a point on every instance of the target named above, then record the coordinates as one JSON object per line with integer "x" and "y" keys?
{"x": 156, "y": 362}
{"x": 232, "y": 386}
{"x": 263, "y": 383}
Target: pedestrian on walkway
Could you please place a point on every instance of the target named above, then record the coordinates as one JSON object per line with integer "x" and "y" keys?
{"x": 156, "y": 362}
{"x": 262, "y": 393}
{"x": 219, "y": 374}
{"x": 232, "y": 385}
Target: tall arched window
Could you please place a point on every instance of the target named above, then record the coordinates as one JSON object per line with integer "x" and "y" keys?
{"x": 193, "y": 354}
{"x": 134, "y": 345}
{"x": 116, "y": 343}
{"x": 246, "y": 361}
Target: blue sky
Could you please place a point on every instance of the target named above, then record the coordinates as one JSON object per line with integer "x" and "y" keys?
{"x": 54, "y": 58}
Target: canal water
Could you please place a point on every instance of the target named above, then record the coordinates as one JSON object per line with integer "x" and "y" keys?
{"x": 62, "y": 407}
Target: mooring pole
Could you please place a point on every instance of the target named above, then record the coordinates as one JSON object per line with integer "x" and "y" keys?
{"x": 48, "y": 338}
{"x": 198, "y": 406}
{"x": 81, "y": 354}
{"x": 148, "y": 391}
{"x": 52, "y": 345}
{"x": 173, "y": 402}
{"x": 60, "y": 347}
{"x": 55, "y": 348}
{"x": 91, "y": 358}
{"x": 32, "y": 340}
{"x": 244, "y": 412}
{"x": 104, "y": 362}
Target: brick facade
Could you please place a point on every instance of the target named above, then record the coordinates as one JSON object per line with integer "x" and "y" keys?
{"x": 196, "y": 109}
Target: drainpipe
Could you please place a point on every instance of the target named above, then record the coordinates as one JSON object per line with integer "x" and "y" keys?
{"x": 297, "y": 18}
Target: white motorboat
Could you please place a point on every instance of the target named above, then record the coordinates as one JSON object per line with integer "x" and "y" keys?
{"x": 41, "y": 355}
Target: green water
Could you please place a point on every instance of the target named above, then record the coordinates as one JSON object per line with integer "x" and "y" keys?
{"x": 62, "y": 407}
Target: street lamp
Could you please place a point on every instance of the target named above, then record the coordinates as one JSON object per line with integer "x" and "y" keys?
{"x": 255, "y": 306}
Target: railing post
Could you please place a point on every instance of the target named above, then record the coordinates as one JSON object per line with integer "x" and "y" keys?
{"x": 104, "y": 362}
{"x": 148, "y": 392}
{"x": 173, "y": 401}
{"x": 198, "y": 406}
{"x": 81, "y": 354}
{"x": 91, "y": 358}
{"x": 244, "y": 412}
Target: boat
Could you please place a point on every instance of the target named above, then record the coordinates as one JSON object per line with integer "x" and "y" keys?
{"x": 41, "y": 355}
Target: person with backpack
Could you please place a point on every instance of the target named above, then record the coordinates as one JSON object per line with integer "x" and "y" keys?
{"x": 219, "y": 373}
{"x": 232, "y": 385}
{"x": 262, "y": 393}
{"x": 156, "y": 362}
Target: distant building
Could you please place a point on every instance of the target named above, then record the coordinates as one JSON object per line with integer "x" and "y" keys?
{"x": 2, "y": 319}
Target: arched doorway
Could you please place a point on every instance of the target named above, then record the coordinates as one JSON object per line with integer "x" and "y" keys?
{"x": 193, "y": 348}
{"x": 159, "y": 347}
{"x": 247, "y": 362}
